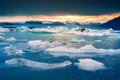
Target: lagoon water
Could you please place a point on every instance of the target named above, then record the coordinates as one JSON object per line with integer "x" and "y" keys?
{"x": 44, "y": 56}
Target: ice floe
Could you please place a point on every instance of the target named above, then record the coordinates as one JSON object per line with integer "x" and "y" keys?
{"x": 90, "y": 65}
{"x": 4, "y": 29}
{"x": 84, "y": 49}
{"x": 75, "y": 40}
{"x": 44, "y": 43}
{"x": 4, "y": 39}
{"x": 13, "y": 50}
{"x": 38, "y": 45}
{"x": 90, "y": 33}
{"x": 46, "y": 30}
{"x": 36, "y": 64}
{"x": 11, "y": 39}
{"x": 98, "y": 41}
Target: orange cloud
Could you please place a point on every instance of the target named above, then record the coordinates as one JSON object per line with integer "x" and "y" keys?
{"x": 62, "y": 18}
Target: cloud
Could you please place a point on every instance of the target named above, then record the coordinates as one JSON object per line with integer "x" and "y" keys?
{"x": 61, "y": 17}
{"x": 35, "y": 7}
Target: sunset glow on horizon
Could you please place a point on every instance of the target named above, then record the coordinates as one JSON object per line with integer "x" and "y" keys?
{"x": 61, "y": 18}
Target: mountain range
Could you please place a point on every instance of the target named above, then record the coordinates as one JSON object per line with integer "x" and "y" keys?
{"x": 45, "y": 24}
{"x": 114, "y": 24}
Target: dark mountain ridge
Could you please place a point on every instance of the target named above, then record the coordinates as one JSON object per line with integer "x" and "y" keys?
{"x": 114, "y": 24}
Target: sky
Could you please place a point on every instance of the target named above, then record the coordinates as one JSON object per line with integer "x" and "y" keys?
{"x": 21, "y": 10}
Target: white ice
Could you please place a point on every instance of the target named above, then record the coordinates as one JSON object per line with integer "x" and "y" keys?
{"x": 98, "y": 41}
{"x": 36, "y": 64}
{"x": 11, "y": 39}
{"x": 4, "y": 29}
{"x": 90, "y": 65}
{"x": 38, "y": 45}
{"x": 75, "y": 40}
{"x": 84, "y": 49}
{"x": 13, "y": 50}
{"x": 4, "y": 39}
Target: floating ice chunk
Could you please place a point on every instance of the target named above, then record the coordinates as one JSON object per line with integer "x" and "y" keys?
{"x": 74, "y": 40}
{"x": 34, "y": 49}
{"x": 11, "y": 39}
{"x": 43, "y": 43}
{"x": 84, "y": 49}
{"x": 35, "y": 64}
{"x": 13, "y": 50}
{"x": 4, "y": 29}
{"x": 58, "y": 49}
{"x": 98, "y": 41}
{"x": 45, "y": 30}
{"x": 2, "y": 34}
{"x": 87, "y": 48}
{"x": 114, "y": 37}
{"x": 90, "y": 65}
{"x": 59, "y": 54}
{"x": 38, "y": 45}
{"x": 55, "y": 43}
{"x": 2, "y": 38}
{"x": 22, "y": 29}
{"x": 89, "y": 32}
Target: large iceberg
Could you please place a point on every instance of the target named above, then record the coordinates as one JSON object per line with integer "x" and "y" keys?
{"x": 90, "y": 65}
{"x": 36, "y": 64}
{"x": 38, "y": 45}
{"x": 84, "y": 49}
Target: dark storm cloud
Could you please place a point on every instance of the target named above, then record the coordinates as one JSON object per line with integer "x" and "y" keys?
{"x": 35, "y": 7}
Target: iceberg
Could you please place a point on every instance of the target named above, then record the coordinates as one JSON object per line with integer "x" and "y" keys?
{"x": 4, "y": 39}
{"x": 74, "y": 40}
{"x": 46, "y": 30}
{"x": 90, "y": 65}
{"x": 11, "y": 39}
{"x": 13, "y": 50}
{"x": 83, "y": 49}
{"x": 35, "y": 46}
{"x": 22, "y": 29}
{"x": 89, "y": 33}
{"x": 36, "y": 64}
{"x": 98, "y": 41}
{"x": 4, "y": 29}
{"x": 43, "y": 43}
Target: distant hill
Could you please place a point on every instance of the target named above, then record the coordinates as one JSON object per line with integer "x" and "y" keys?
{"x": 33, "y": 22}
{"x": 114, "y": 24}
